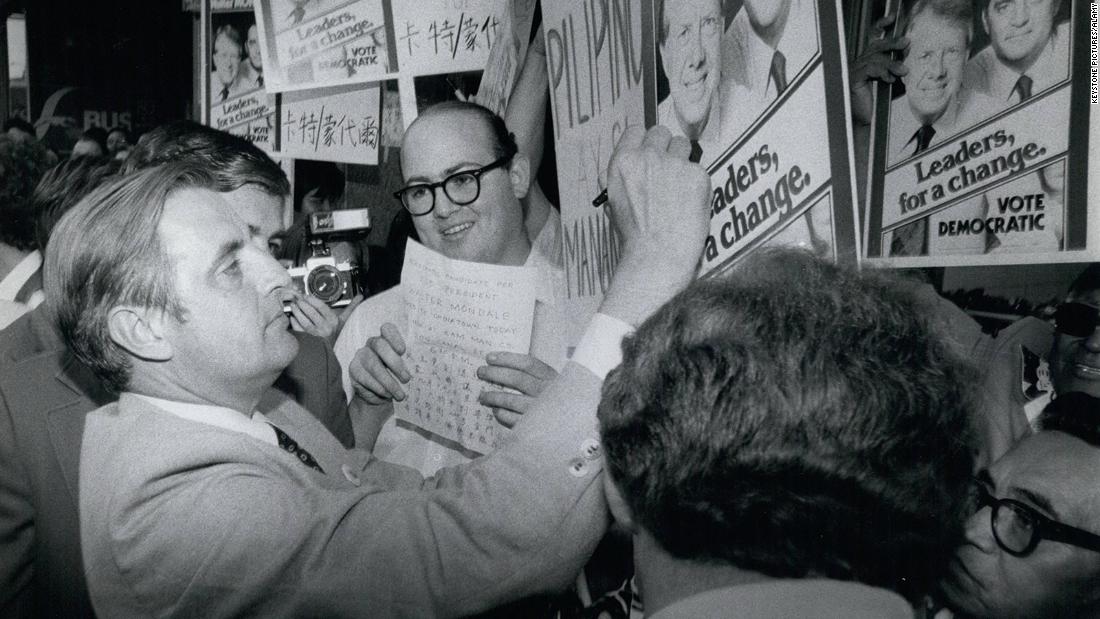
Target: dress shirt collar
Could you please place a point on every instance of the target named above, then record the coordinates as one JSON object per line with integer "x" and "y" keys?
{"x": 13, "y": 282}
{"x": 255, "y": 426}
{"x": 792, "y": 43}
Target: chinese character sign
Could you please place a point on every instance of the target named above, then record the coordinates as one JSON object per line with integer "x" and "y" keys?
{"x": 445, "y": 36}
{"x": 340, "y": 123}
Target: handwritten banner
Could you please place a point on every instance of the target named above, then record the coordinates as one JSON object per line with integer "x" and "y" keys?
{"x": 445, "y": 36}
{"x": 458, "y": 313}
{"x": 595, "y": 62}
{"x": 332, "y": 124}
{"x": 323, "y": 44}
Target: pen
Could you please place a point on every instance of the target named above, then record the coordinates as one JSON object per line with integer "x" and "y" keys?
{"x": 600, "y": 199}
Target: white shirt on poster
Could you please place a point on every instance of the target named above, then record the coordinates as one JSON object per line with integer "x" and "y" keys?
{"x": 747, "y": 85}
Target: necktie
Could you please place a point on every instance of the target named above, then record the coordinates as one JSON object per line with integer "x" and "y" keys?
{"x": 696, "y": 152}
{"x": 778, "y": 72}
{"x": 224, "y": 93}
{"x": 923, "y": 137}
{"x": 260, "y": 81}
{"x": 1023, "y": 88}
{"x": 293, "y": 448}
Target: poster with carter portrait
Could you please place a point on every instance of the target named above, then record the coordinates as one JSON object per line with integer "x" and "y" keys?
{"x": 756, "y": 87}
{"x": 979, "y": 153}
{"x": 237, "y": 100}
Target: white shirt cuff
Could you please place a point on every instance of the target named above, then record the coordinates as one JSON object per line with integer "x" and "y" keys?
{"x": 600, "y": 349}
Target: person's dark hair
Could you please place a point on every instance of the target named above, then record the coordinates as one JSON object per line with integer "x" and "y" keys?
{"x": 233, "y": 160}
{"x": 22, "y": 165}
{"x": 958, "y": 11}
{"x": 504, "y": 141}
{"x": 324, "y": 176}
{"x": 1074, "y": 413}
{"x": 797, "y": 419}
{"x": 119, "y": 129}
{"x": 97, "y": 135}
{"x": 63, "y": 186}
{"x": 125, "y": 265}
{"x": 231, "y": 33}
{"x": 1055, "y": 6}
{"x": 21, "y": 124}
{"x": 1086, "y": 281}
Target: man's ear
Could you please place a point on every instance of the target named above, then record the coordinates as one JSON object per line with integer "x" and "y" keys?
{"x": 520, "y": 173}
{"x": 140, "y": 331}
{"x": 617, "y": 504}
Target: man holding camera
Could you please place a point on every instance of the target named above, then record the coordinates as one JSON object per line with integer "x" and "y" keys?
{"x": 464, "y": 180}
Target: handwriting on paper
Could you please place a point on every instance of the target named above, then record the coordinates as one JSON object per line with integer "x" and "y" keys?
{"x": 458, "y": 312}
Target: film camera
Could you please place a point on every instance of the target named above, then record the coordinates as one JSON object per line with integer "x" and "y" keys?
{"x": 331, "y": 272}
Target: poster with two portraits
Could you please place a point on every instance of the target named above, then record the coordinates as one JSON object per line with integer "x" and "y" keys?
{"x": 980, "y": 152}
{"x": 336, "y": 123}
{"x": 759, "y": 89}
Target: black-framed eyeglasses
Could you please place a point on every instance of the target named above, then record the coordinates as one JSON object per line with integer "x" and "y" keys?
{"x": 1018, "y": 528}
{"x": 461, "y": 188}
{"x": 1076, "y": 319}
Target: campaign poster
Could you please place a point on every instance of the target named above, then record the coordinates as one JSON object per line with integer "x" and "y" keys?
{"x": 595, "y": 60}
{"x": 758, "y": 89}
{"x": 339, "y": 123}
{"x": 314, "y": 43}
{"x": 980, "y": 153}
{"x": 506, "y": 59}
{"x": 238, "y": 101}
{"x": 445, "y": 36}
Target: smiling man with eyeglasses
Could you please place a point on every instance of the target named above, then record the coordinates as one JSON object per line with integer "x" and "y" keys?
{"x": 464, "y": 178}
{"x": 1032, "y": 547}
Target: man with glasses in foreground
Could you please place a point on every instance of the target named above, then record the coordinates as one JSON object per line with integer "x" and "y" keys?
{"x": 464, "y": 178}
{"x": 1032, "y": 548}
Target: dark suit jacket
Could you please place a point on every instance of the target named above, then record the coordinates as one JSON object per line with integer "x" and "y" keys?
{"x": 45, "y": 393}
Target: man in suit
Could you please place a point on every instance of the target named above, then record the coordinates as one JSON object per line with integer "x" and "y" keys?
{"x": 192, "y": 503}
{"x": 45, "y": 392}
{"x": 1027, "y": 52}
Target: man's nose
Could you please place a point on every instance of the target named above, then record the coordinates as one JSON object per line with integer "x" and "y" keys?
{"x": 268, "y": 273}
{"x": 979, "y": 530}
{"x": 444, "y": 207}
{"x": 1092, "y": 342}
{"x": 697, "y": 54}
{"x": 936, "y": 65}
{"x": 1020, "y": 13}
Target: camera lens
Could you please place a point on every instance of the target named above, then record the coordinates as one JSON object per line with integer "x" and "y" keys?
{"x": 324, "y": 283}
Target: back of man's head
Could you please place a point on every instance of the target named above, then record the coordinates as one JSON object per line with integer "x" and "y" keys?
{"x": 793, "y": 419}
{"x": 63, "y": 186}
{"x": 233, "y": 160}
{"x": 125, "y": 266}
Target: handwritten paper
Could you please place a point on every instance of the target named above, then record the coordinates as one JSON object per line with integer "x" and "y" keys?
{"x": 324, "y": 43}
{"x": 445, "y": 36}
{"x": 332, "y": 124}
{"x": 458, "y": 312}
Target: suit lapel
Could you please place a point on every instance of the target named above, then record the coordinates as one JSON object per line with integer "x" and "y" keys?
{"x": 65, "y": 420}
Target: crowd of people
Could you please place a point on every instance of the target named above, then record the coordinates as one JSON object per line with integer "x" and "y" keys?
{"x": 183, "y": 433}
